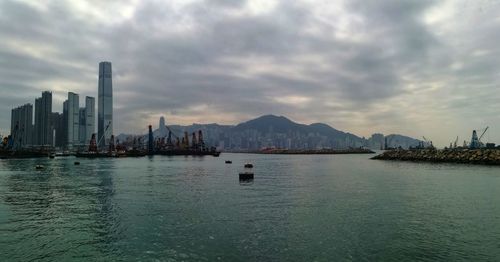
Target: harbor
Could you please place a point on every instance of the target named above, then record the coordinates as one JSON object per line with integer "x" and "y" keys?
{"x": 200, "y": 207}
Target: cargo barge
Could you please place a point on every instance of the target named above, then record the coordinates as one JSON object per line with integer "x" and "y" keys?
{"x": 13, "y": 154}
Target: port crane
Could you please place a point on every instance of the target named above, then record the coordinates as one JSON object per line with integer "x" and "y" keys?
{"x": 428, "y": 142}
{"x": 476, "y": 141}
{"x": 484, "y": 132}
{"x": 103, "y": 134}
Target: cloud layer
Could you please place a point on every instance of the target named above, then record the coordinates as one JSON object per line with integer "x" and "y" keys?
{"x": 417, "y": 67}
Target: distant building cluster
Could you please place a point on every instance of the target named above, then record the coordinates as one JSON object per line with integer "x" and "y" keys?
{"x": 227, "y": 138}
{"x": 231, "y": 138}
{"x": 255, "y": 140}
{"x": 74, "y": 126}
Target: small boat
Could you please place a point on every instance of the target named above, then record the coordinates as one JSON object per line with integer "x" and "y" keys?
{"x": 248, "y": 165}
{"x": 64, "y": 153}
{"x": 77, "y": 163}
{"x": 39, "y": 167}
{"x": 229, "y": 162}
{"x": 246, "y": 175}
{"x": 135, "y": 153}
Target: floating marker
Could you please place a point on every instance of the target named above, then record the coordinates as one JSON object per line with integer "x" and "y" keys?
{"x": 246, "y": 176}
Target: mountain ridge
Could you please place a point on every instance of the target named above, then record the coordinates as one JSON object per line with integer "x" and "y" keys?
{"x": 281, "y": 132}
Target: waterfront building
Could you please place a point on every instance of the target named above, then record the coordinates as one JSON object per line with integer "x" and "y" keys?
{"x": 65, "y": 121}
{"x": 72, "y": 110}
{"x": 82, "y": 132}
{"x": 21, "y": 125}
{"x": 89, "y": 118}
{"x": 59, "y": 127}
{"x": 43, "y": 128}
{"x": 86, "y": 116}
{"x": 105, "y": 104}
{"x": 162, "y": 128}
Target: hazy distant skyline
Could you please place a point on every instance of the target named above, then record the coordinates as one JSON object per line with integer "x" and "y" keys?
{"x": 415, "y": 67}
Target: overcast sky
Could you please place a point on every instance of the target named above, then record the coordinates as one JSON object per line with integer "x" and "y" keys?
{"x": 411, "y": 67}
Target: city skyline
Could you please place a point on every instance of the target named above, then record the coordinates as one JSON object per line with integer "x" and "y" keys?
{"x": 414, "y": 67}
{"x": 69, "y": 129}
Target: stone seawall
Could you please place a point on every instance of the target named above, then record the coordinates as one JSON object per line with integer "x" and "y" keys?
{"x": 467, "y": 156}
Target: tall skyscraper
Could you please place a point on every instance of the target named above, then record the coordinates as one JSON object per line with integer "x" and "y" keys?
{"x": 21, "y": 125}
{"x": 105, "y": 105}
{"x": 59, "y": 127}
{"x": 65, "y": 124}
{"x": 73, "y": 120}
{"x": 162, "y": 128}
{"x": 43, "y": 112}
{"x": 82, "y": 132}
{"x": 89, "y": 118}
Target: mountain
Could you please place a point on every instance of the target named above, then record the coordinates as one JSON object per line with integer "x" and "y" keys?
{"x": 274, "y": 123}
{"x": 281, "y": 132}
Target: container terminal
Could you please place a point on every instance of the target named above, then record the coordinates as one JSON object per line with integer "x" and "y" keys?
{"x": 171, "y": 145}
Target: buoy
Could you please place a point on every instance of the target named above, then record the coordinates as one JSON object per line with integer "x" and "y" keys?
{"x": 248, "y": 165}
{"x": 52, "y": 156}
{"x": 77, "y": 163}
{"x": 39, "y": 167}
{"x": 229, "y": 162}
{"x": 246, "y": 176}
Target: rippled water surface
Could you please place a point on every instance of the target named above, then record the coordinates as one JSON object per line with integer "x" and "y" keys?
{"x": 298, "y": 208}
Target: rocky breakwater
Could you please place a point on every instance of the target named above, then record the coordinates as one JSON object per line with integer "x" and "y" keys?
{"x": 467, "y": 156}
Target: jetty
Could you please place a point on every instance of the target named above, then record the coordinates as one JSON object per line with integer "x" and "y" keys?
{"x": 481, "y": 156}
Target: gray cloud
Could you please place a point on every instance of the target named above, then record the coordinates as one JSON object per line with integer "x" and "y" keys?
{"x": 363, "y": 66}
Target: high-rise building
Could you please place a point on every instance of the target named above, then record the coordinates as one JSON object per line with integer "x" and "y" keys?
{"x": 59, "y": 127}
{"x": 65, "y": 124}
{"x": 43, "y": 128}
{"x": 105, "y": 104}
{"x": 162, "y": 128}
{"x": 89, "y": 118}
{"x": 21, "y": 125}
{"x": 73, "y": 119}
{"x": 82, "y": 132}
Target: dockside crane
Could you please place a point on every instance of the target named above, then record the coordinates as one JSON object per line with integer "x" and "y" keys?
{"x": 104, "y": 133}
{"x": 484, "y": 132}
{"x": 475, "y": 140}
{"x": 454, "y": 144}
{"x": 428, "y": 143}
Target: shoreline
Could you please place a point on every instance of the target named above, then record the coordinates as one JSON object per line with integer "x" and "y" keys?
{"x": 306, "y": 152}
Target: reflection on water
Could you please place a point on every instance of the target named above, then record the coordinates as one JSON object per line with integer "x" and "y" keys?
{"x": 61, "y": 211}
{"x": 296, "y": 208}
